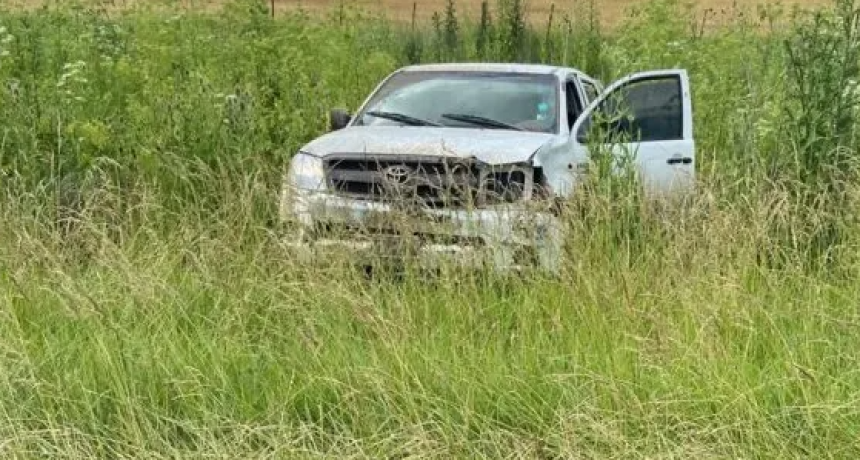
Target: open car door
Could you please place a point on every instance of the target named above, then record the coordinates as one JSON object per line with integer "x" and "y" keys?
{"x": 646, "y": 118}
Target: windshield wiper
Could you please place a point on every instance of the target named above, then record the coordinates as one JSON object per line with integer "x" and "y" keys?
{"x": 402, "y": 118}
{"x": 478, "y": 120}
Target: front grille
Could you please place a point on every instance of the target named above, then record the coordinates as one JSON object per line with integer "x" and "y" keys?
{"x": 429, "y": 181}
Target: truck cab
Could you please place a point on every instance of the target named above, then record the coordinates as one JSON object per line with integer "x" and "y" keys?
{"x": 465, "y": 150}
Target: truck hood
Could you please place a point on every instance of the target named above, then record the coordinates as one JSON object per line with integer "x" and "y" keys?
{"x": 492, "y": 146}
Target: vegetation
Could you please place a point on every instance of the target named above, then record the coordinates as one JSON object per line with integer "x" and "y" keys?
{"x": 149, "y": 308}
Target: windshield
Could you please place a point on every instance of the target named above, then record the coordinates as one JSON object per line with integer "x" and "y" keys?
{"x": 465, "y": 99}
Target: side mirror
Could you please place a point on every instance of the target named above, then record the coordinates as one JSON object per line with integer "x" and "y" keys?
{"x": 338, "y": 119}
{"x": 581, "y": 134}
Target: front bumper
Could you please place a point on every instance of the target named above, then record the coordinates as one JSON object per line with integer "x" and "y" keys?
{"x": 511, "y": 237}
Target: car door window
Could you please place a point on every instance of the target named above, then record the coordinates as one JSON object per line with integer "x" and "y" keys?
{"x": 644, "y": 110}
{"x": 574, "y": 104}
{"x": 591, "y": 91}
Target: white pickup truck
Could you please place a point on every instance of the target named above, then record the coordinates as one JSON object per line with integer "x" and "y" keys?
{"x": 464, "y": 152}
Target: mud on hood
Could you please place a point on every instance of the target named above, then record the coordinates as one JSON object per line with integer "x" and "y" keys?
{"x": 487, "y": 145}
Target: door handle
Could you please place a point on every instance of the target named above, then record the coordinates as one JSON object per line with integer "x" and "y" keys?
{"x": 677, "y": 160}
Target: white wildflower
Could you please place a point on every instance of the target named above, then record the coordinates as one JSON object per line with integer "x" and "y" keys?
{"x": 71, "y": 76}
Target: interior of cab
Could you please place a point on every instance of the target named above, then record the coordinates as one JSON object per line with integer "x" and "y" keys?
{"x": 575, "y": 105}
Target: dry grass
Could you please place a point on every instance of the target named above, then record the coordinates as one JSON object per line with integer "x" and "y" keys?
{"x": 610, "y": 11}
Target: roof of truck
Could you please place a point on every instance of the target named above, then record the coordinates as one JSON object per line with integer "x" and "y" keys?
{"x": 492, "y": 67}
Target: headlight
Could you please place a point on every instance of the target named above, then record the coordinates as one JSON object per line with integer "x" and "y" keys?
{"x": 306, "y": 172}
{"x": 507, "y": 184}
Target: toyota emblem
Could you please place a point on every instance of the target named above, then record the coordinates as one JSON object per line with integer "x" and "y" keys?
{"x": 397, "y": 174}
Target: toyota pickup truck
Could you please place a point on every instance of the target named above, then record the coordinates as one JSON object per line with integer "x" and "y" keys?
{"x": 457, "y": 160}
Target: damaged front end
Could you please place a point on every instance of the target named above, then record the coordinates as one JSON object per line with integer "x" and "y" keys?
{"x": 430, "y": 209}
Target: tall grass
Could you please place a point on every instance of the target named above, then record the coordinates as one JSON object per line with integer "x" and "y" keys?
{"x": 150, "y": 309}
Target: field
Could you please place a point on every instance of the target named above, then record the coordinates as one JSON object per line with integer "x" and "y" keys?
{"x": 148, "y": 307}
{"x": 611, "y": 12}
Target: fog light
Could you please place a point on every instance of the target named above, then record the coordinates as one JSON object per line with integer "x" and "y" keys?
{"x": 522, "y": 225}
{"x": 540, "y": 232}
{"x": 525, "y": 255}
